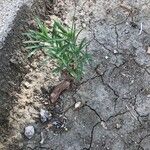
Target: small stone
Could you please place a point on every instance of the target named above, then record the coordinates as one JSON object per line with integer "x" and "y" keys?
{"x": 29, "y": 131}
{"x": 78, "y": 105}
{"x": 66, "y": 129}
{"x": 46, "y": 103}
{"x": 44, "y": 115}
{"x": 132, "y": 81}
{"x": 115, "y": 51}
{"x": 84, "y": 25}
{"x": 27, "y": 85}
{"x": 61, "y": 96}
{"x": 126, "y": 31}
{"x": 106, "y": 57}
{"x": 118, "y": 126}
{"x": 103, "y": 124}
{"x": 58, "y": 124}
{"x": 148, "y": 50}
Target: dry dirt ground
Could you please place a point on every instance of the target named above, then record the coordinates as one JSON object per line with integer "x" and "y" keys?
{"x": 115, "y": 90}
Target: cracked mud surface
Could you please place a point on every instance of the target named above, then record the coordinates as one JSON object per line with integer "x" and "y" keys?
{"x": 115, "y": 89}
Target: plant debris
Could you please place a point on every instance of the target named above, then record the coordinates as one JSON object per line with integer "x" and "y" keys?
{"x": 42, "y": 138}
{"x": 58, "y": 90}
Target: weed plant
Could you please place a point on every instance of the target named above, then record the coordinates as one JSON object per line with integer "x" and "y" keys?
{"x": 60, "y": 43}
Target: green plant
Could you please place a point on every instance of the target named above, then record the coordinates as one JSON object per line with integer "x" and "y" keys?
{"x": 60, "y": 43}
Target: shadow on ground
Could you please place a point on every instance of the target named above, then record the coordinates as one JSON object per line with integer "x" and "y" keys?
{"x": 13, "y": 67}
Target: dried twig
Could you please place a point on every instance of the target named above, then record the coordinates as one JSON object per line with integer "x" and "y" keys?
{"x": 42, "y": 138}
{"x": 126, "y": 7}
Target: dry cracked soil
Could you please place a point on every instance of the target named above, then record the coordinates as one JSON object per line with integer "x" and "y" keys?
{"x": 114, "y": 91}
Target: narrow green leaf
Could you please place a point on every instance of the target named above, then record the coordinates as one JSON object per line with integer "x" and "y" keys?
{"x": 60, "y": 27}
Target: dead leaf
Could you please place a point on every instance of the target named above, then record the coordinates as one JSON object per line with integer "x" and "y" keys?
{"x": 58, "y": 90}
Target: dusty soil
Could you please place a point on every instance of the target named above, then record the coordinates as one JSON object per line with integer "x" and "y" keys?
{"x": 114, "y": 91}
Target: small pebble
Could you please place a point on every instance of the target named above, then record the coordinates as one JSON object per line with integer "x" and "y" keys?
{"x": 132, "y": 81}
{"x": 148, "y": 95}
{"x": 78, "y": 105}
{"x": 29, "y": 131}
{"x": 148, "y": 50}
{"x": 27, "y": 85}
{"x": 44, "y": 115}
{"x": 58, "y": 124}
{"x": 115, "y": 51}
{"x": 103, "y": 124}
{"x": 66, "y": 129}
{"x": 106, "y": 57}
{"x": 118, "y": 126}
{"x": 84, "y": 25}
